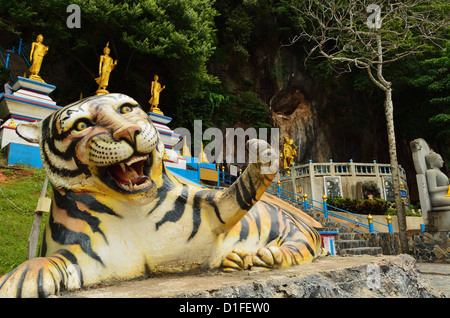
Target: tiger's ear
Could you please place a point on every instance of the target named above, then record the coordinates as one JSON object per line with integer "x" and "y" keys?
{"x": 29, "y": 131}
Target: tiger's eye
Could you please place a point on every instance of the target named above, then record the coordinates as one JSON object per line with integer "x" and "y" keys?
{"x": 125, "y": 109}
{"x": 81, "y": 126}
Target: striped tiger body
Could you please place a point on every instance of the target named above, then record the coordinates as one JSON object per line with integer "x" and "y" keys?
{"x": 118, "y": 213}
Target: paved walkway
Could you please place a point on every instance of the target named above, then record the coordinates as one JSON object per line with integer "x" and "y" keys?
{"x": 436, "y": 275}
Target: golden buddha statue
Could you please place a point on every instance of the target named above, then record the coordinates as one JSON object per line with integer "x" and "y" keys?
{"x": 156, "y": 89}
{"x": 105, "y": 68}
{"x": 38, "y": 51}
{"x": 289, "y": 152}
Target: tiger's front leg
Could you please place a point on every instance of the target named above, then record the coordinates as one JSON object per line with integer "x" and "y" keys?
{"x": 42, "y": 277}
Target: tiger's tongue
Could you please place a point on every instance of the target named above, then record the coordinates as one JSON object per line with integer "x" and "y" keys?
{"x": 128, "y": 175}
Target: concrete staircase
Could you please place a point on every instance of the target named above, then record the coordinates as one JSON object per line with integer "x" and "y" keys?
{"x": 355, "y": 244}
{"x": 348, "y": 242}
{"x": 17, "y": 65}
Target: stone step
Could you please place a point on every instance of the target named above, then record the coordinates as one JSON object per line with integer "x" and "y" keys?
{"x": 361, "y": 251}
{"x": 349, "y": 236}
{"x": 344, "y": 244}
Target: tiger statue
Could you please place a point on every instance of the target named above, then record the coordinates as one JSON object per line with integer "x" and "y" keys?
{"x": 118, "y": 213}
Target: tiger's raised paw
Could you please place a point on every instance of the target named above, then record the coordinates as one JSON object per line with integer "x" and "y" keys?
{"x": 262, "y": 153}
{"x": 39, "y": 277}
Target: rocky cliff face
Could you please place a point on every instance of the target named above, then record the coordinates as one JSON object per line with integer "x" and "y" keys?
{"x": 295, "y": 101}
{"x": 326, "y": 122}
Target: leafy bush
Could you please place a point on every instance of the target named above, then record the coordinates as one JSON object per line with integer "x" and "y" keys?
{"x": 374, "y": 207}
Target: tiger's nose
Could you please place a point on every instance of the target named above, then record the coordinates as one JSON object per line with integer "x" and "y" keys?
{"x": 127, "y": 132}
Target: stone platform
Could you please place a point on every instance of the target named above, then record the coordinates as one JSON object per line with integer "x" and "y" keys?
{"x": 362, "y": 276}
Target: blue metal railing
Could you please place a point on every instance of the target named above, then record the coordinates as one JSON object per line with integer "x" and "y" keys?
{"x": 227, "y": 177}
{"x": 24, "y": 48}
{"x": 326, "y": 209}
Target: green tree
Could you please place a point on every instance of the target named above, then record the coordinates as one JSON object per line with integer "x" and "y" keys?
{"x": 433, "y": 79}
{"x": 171, "y": 38}
{"x": 343, "y": 32}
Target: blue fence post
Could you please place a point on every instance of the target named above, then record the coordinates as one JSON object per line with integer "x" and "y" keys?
{"x": 223, "y": 173}
{"x": 370, "y": 220}
{"x": 279, "y": 188}
{"x": 325, "y": 206}
{"x": 218, "y": 176}
{"x": 389, "y": 222}
{"x": 8, "y": 56}
{"x": 20, "y": 47}
{"x": 305, "y": 200}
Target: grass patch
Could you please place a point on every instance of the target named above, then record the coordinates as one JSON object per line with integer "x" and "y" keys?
{"x": 22, "y": 186}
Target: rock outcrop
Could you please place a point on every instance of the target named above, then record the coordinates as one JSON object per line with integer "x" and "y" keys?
{"x": 332, "y": 277}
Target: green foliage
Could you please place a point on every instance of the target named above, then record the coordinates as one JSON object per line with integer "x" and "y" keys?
{"x": 376, "y": 206}
{"x": 424, "y": 86}
{"x": 244, "y": 24}
{"x": 22, "y": 187}
{"x": 170, "y": 37}
{"x": 252, "y": 111}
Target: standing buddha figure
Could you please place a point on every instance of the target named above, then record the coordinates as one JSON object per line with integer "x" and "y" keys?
{"x": 105, "y": 68}
{"x": 38, "y": 51}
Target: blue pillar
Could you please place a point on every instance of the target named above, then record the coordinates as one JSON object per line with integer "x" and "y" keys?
{"x": 325, "y": 206}
{"x": 8, "y": 56}
{"x": 422, "y": 227}
{"x": 218, "y": 176}
{"x": 369, "y": 219}
{"x": 305, "y": 201}
{"x": 389, "y": 222}
{"x": 20, "y": 46}
{"x": 279, "y": 188}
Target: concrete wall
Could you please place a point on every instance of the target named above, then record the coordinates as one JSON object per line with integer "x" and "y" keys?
{"x": 312, "y": 178}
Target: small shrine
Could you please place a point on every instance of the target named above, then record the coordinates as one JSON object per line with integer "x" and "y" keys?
{"x": 30, "y": 101}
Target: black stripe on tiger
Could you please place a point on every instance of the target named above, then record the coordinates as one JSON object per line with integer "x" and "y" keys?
{"x": 196, "y": 213}
{"x": 196, "y": 209}
{"x": 178, "y": 208}
{"x": 244, "y": 197}
{"x": 210, "y": 199}
{"x": 40, "y": 286}
{"x": 68, "y": 202}
{"x": 162, "y": 191}
{"x": 245, "y": 229}
{"x": 20, "y": 284}
{"x": 94, "y": 205}
{"x": 65, "y": 236}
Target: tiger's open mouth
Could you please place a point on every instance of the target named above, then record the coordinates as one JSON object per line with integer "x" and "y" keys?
{"x": 132, "y": 175}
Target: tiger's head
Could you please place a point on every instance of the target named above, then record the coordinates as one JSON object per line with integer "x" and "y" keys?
{"x": 101, "y": 144}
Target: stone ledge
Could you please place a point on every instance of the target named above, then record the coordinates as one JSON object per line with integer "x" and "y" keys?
{"x": 432, "y": 247}
{"x": 332, "y": 276}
